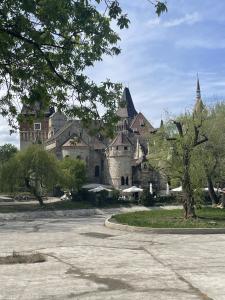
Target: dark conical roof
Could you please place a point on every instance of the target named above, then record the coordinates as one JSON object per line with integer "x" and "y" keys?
{"x": 126, "y": 109}
{"x": 199, "y": 105}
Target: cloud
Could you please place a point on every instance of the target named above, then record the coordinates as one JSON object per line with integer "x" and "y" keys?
{"x": 191, "y": 43}
{"x": 187, "y": 19}
{"x": 5, "y": 136}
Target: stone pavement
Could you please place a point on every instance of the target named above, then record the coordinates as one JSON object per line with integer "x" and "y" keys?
{"x": 86, "y": 260}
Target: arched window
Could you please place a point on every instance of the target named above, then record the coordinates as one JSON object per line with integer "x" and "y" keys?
{"x": 127, "y": 181}
{"x": 122, "y": 181}
{"x": 97, "y": 171}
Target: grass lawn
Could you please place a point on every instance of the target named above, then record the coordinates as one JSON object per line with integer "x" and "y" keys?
{"x": 60, "y": 205}
{"x": 206, "y": 218}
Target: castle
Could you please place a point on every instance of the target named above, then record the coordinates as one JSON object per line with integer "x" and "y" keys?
{"x": 120, "y": 162}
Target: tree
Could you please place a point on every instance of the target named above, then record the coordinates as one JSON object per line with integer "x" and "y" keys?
{"x": 46, "y": 46}
{"x": 210, "y": 156}
{"x": 34, "y": 168}
{"x": 73, "y": 173}
{"x": 178, "y": 140}
{"x": 6, "y": 152}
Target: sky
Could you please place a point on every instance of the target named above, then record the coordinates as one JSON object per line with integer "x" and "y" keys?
{"x": 161, "y": 57}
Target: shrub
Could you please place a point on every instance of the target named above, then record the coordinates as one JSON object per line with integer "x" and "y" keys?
{"x": 146, "y": 198}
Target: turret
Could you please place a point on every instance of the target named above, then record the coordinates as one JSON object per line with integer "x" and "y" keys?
{"x": 119, "y": 158}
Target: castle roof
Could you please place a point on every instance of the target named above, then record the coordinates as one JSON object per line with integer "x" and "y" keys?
{"x": 121, "y": 139}
{"x": 74, "y": 142}
{"x": 126, "y": 108}
{"x": 35, "y": 109}
{"x": 141, "y": 124}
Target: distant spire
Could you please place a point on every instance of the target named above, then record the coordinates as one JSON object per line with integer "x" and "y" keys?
{"x": 199, "y": 106}
{"x": 198, "y": 90}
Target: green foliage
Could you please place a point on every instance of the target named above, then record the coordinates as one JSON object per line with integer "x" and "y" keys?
{"x": 146, "y": 198}
{"x": 73, "y": 173}
{"x": 6, "y": 152}
{"x": 34, "y": 169}
{"x": 46, "y": 47}
{"x": 115, "y": 195}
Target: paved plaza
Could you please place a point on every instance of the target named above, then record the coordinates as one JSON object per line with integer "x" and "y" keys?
{"x": 86, "y": 260}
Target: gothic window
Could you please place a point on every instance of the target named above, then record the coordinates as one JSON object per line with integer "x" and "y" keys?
{"x": 97, "y": 171}
{"x": 122, "y": 181}
{"x": 127, "y": 181}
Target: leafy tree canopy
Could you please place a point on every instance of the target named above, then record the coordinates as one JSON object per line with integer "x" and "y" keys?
{"x": 46, "y": 46}
{"x": 33, "y": 169}
{"x": 73, "y": 173}
{"x": 6, "y": 152}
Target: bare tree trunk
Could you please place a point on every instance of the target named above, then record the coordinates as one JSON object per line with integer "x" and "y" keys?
{"x": 188, "y": 200}
{"x": 35, "y": 190}
{"x": 212, "y": 193}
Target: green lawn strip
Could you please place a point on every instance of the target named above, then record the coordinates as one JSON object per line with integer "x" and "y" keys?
{"x": 60, "y": 205}
{"x": 206, "y": 218}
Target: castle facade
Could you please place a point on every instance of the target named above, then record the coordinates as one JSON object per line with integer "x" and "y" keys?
{"x": 120, "y": 162}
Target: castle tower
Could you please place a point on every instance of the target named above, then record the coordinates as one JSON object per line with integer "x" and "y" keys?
{"x": 126, "y": 111}
{"x": 199, "y": 106}
{"x": 119, "y": 159}
{"x": 33, "y": 129}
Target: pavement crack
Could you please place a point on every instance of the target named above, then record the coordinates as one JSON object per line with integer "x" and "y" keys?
{"x": 196, "y": 290}
{"x": 110, "y": 284}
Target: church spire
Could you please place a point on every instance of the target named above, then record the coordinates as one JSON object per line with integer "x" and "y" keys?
{"x": 198, "y": 90}
{"x": 199, "y": 106}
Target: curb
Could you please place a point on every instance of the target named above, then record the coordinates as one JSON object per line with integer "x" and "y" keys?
{"x": 129, "y": 228}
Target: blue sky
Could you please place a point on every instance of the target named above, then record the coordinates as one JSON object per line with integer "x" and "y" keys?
{"x": 161, "y": 57}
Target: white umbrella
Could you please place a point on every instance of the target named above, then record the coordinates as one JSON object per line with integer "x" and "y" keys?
{"x": 133, "y": 189}
{"x": 215, "y": 189}
{"x": 99, "y": 189}
{"x": 178, "y": 189}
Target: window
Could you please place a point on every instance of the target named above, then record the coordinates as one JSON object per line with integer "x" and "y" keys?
{"x": 117, "y": 148}
{"x": 141, "y": 122}
{"x": 125, "y": 148}
{"x": 122, "y": 181}
{"x": 127, "y": 181}
{"x": 37, "y": 126}
{"x": 97, "y": 171}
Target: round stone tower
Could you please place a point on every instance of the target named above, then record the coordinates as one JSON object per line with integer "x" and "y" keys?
{"x": 119, "y": 159}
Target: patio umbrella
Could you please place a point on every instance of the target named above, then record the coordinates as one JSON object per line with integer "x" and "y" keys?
{"x": 215, "y": 189}
{"x": 178, "y": 189}
{"x": 99, "y": 189}
{"x": 133, "y": 189}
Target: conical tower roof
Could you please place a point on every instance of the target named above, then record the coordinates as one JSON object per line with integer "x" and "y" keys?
{"x": 199, "y": 106}
{"x": 126, "y": 107}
